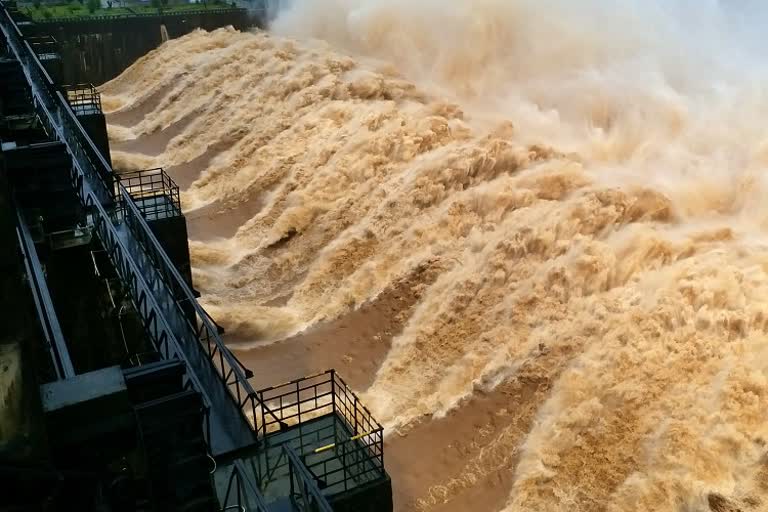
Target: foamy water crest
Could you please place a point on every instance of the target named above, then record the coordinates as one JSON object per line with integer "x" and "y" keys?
{"x": 585, "y": 179}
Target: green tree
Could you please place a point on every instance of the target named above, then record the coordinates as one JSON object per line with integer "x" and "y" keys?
{"x": 93, "y": 5}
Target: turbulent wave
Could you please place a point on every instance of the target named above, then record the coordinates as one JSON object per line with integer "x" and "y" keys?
{"x": 586, "y": 179}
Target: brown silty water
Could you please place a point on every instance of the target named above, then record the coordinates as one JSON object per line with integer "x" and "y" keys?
{"x": 532, "y": 236}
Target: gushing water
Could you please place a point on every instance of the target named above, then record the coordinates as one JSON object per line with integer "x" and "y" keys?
{"x": 587, "y": 179}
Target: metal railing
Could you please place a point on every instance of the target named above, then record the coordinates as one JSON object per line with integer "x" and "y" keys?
{"x": 84, "y": 99}
{"x": 198, "y": 326}
{"x": 44, "y": 44}
{"x": 359, "y": 419}
{"x": 285, "y": 405}
{"x": 206, "y": 355}
{"x": 355, "y": 455}
{"x": 163, "y": 317}
{"x": 61, "y": 121}
{"x": 133, "y": 279}
{"x": 241, "y": 494}
{"x": 305, "y": 495}
{"x": 153, "y": 191}
{"x": 361, "y": 459}
{"x": 154, "y": 285}
{"x": 310, "y": 397}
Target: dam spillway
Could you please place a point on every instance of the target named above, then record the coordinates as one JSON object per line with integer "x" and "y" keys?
{"x": 127, "y": 392}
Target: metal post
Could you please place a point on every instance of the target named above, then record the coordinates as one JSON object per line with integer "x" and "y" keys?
{"x": 298, "y": 412}
{"x": 263, "y": 417}
{"x": 333, "y": 390}
{"x": 354, "y": 411}
{"x": 298, "y": 404}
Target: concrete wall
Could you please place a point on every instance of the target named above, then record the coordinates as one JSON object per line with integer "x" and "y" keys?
{"x": 96, "y": 50}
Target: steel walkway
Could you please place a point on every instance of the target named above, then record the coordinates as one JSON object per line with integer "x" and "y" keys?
{"x": 177, "y": 325}
{"x": 155, "y": 291}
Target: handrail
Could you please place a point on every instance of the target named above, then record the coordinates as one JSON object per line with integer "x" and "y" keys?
{"x": 154, "y": 285}
{"x": 310, "y": 495}
{"x": 84, "y": 164}
{"x": 359, "y": 449}
{"x": 348, "y": 462}
{"x": 91, "y": 170}
{"x": 150, "y": 183}
{"x": 44, "y": 44}
{"x": 205, "y": 331}
{"x": 253, "y": 501}
{"x": 211, "y": 358}
{"x": 348, "y": 389}
{"x": 63, "y": 122}
{"x": 79, "y": 143}
{"x": 132, "y": 275}
{"x": 287, "y": 403}
{"x": 84, "y": 98}
{"x": 87, "y": 167}
{"x": 295, "y": 381}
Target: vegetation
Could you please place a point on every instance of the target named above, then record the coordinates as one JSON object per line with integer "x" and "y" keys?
{"x": 92, "y": 8}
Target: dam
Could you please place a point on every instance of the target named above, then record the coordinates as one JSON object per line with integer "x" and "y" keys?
{"x": 527, "y": 239}
{"x": 118, "y": 391}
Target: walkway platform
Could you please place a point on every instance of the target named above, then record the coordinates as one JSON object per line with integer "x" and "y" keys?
{"x": 318, "y": 421}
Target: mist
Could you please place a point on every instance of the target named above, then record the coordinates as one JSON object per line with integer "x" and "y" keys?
{"x": 643, "y": 90}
